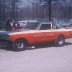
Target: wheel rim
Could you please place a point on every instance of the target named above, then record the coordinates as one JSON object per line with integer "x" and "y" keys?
{"x": 61, "y": 41}
{"x": 20, "y": 45}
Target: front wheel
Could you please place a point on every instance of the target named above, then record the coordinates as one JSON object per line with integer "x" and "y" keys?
{"x": 19, "y": 45}
{"x": 60, "y": 41}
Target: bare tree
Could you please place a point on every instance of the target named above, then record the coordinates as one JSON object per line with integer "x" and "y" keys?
{"x": 0, "y": 10}
{"x": 14, "y": 8}
{"x": 49, "y": 5}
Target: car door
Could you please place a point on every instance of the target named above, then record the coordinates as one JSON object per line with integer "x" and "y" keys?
{"x": 44, "y": 34}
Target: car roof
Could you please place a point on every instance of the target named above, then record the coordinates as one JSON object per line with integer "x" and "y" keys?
{"x": 45, "y": 22}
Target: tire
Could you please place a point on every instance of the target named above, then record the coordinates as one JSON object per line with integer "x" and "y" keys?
{"x": 19, "y": 45}
{"x": 60, "y": 41}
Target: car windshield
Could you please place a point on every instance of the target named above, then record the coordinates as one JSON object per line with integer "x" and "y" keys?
{"x": 31, "y": 26}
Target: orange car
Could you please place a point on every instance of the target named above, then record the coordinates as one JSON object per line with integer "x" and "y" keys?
{"x": 34, "y": 34}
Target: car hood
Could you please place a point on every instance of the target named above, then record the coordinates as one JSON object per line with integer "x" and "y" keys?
{"x": 16, "y": 31}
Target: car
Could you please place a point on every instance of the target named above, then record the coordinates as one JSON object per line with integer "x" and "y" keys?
{"x": 23, "y": 23}
{"x": 2, "y": 25}
{"x": 63, "y": 24}
{"x": 36, "y": 33}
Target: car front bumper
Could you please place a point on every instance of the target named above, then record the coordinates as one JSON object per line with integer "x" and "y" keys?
{"x": 5, "y": 43}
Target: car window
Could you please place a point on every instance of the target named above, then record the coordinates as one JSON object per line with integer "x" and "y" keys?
{"x": 45, "y": 26}
{"x": 31, "y": 26}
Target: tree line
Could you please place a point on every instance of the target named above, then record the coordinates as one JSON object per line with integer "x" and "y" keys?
{"x": 8, "y": 9}
{"x": 38, "y": 9}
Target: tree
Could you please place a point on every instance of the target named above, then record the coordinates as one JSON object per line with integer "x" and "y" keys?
{"x": 49, "y": 9}
{"x": 68, "y": 3}
{"x": 49, "y": 5}
{"x": 0, "y": 9}
{"x": 14, "y": 8}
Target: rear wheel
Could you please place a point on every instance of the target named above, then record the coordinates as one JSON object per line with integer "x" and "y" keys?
{"x": 19, "y": 45}
{"x": 60, "y": 41}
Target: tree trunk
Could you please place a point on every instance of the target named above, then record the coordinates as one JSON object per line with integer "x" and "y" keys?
{"x": 49, "y": 9}
{"x": 13, "y": 9}
{"x": 0, "y": 9}
{"x": 69, "y": 12}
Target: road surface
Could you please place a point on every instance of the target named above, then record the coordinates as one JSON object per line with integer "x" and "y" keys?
{"x": 43, "y": 59}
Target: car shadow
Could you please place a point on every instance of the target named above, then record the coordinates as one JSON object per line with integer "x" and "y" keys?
{"x": 7, "y": 49}
{"x": 67, "y": 43}
{"x": 46, "y": 45}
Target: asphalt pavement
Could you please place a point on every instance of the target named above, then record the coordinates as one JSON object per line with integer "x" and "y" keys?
{"x": 41, "y": 59}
